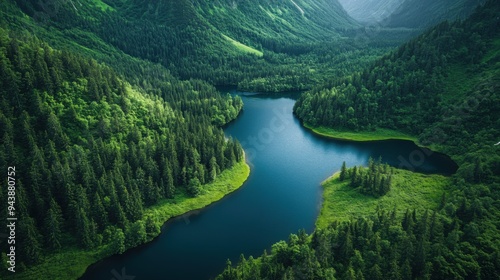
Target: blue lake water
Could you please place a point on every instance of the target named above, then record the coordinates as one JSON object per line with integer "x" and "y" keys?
{"x": 281, "y": 196}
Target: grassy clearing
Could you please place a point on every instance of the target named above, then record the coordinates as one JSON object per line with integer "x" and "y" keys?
{"x": 72, "y": 263}
{"x": 379, "y": 134}
{"x": 409, "y": 190}
{"x": 243, "y": 47}
{"x": 103, "y": 6}
{"x": 227, "y": 182}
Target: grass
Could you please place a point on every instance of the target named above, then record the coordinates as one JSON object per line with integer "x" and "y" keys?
{"x": 227, "y": 182}
{"x": 378, "y": 134}
{"x": 72, "y": 263}
{"x": 409, "y": 190}
{"x": 69, "y": 264}
{"x": 243, "y": 47}
{"x": 103, "y": 6}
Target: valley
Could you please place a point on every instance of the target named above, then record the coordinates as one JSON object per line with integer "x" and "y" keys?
{"x": 185, "y": 139}
{"x": 282, "y": 195}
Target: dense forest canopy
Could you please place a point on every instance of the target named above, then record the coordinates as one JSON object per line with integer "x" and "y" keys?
{"x": 405, "y": 89}
{"x": 443, "y": 85}
{"x": 108, "y": 107}
{"x": 95, "y": 151}
{"x": 425, "y": 13}
{"x": 266, "y": 47}
{"x": 408, "y": 13}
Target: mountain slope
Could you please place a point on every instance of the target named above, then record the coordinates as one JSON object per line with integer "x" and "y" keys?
{"x": 265, "y": 21}
{"x": 250, "y": 21}
{"x": 408, "y": 13}
{"x": 93, "y": 151}
{"x": 370, "y": 11}
{"x": 404, "y": 89}
{"x": 222, "y": 42}
{"x": 448, "y": 80}
{"x": 424, "y": 13}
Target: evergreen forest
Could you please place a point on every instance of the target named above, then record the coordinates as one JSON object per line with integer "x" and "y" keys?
{"x": 112, "y": 117}
{"x": 444, "y": 87}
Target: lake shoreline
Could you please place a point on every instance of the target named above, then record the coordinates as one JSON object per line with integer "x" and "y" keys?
{"x": 372, "y": 136}
{"x": 332, "y": 185}
{"x": 280, "y": 158}
{"x": 241, "y": 170}
{"x": 360, "y": 136}
{"x": 75, "y": 263}
{"x": 341, "y": 202}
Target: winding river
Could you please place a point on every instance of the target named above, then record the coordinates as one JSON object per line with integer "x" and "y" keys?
{"x": 281, "y": 196}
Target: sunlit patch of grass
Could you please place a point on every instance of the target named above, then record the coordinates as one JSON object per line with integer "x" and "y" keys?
{"x": 243, "y": 47}
{"x": 409, "y": 190}
{"x": 103, "y": 6}
{"x": 378, "y": 134}
{"x": 227, "y": 182}
{"x": 71, "y": 263}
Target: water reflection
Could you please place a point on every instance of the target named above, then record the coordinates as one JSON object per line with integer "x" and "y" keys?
{"x": 281, "y": 196}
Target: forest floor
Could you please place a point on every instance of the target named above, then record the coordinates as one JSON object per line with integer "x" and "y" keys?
{"x": 409, "y": 190}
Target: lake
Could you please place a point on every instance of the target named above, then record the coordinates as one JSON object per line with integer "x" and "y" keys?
{"x": 281, "y": 196}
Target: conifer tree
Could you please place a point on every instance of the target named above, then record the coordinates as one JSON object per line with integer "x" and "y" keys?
{"x": 52, "y": 226}
{"x": 30, "y": 249}
{"x": 343, "y": 172}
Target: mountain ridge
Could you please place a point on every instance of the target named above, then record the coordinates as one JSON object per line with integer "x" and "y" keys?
{"x": 408, "y": 13}
{"x": 221, "y": 42}
{"x": 444, "y": 86}
{"x": 425, "y": 13}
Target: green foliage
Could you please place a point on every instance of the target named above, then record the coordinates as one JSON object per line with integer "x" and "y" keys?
{"x": 427, "y": 244}
{"x": 454, "y": 234}
{"x": 117, "y": 245}
{"x": 295, "y": 52}
{"x": 343, "y": 172}
{"x": 404, "y": 90}
{"x": 136, "y": 234}
{"x": 351, "y": 135}
{"x": 409, "y": 190}
{"x": 375, "y": 180}
{"x": 421, "y": 14}
{"x": 108, "y": 154}
{"x": 96, "y": 152}
{"x": 194, "y": 187}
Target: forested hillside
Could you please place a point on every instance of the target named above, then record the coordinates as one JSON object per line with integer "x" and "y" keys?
{"x": 91, "y": 153}
{"x": 268, "y": 46}
{"x": 405, "y": 89}
{"x": 370, "y": 11}
{"x": 408, "y": 13}
{"x": 110, "y": 121}
{"x": 94, "y": 113}
{"x": 444, "y": 85}
{"x": 425, "y": 13}
{"x": 274, "y": 24}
